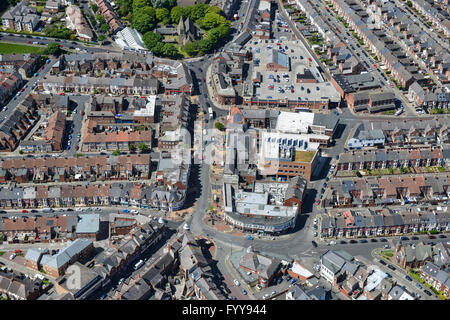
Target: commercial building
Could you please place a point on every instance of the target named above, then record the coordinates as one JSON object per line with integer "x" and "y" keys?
{"x": 272, "y": 208}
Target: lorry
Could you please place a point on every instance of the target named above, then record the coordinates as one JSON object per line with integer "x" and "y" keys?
{"x": 211, "y": 113}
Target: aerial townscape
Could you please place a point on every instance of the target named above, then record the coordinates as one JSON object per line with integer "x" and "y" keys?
{"x": 225, "y": 150}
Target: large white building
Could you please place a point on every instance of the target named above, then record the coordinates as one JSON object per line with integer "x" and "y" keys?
{"x": 130, "y": 39}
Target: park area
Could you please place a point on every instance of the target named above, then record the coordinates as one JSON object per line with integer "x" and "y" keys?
{"x": 8, "y": 48}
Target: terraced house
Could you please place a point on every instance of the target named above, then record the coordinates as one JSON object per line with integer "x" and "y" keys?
{"x": 373, "y": 222}
{"x": 393, "y": 158}
{"x": 102, "y": 168}
{"x": 386, "y": 190}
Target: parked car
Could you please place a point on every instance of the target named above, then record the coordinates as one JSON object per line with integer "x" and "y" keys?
{"x": 266, "y": 296}
{"x": 244, "y": 292}
{"x": 126, "y": 211}
{"x": 382, "y": 262}
{"x": 390, "y": 266}
{"x": 24, "y": 211}
{"x": 314, "y": 244}
{"x": 408, "y": 278}
{"x": 353, "y": 241}
{"x": 418, "y": 286}
{"x": 427, "y": 292}
{"x": 431, "y": 237}
{"x": 236, "y": 282}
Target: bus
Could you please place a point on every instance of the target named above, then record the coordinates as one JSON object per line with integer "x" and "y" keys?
{"x": 139, "y": 264}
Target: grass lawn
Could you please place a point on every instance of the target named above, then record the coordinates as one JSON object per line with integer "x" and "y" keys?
{"x": 2, "y": 253}
{"x": 6, "y": 48}
{"x": 304, "y": 156}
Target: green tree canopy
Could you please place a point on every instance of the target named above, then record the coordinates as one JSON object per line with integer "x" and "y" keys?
{"x": 175, "y": 14}
{"x": 168, "y": 4}
{"x": 170, "y": 51}
{"x": 214, "y": 9}
{"x": 101, "y": 19}
{"x": 198, "y": 11}
{"x": 212, "y": 20}
{"x": 94, "y": 7}
{"x": 125, "y": 7}
{"x": 191, "y": 48}
{"x": 205, "y": 45}
{"x": 116, "y": 152}
{"x": 219, "y": 126}
{"x": 143, "y": 146}
{"x": 105, "y": 28}
{"x": 138, "y": 4}
{"x": 144, "y": 19}
{"x": 151, "y": 39}
{"x": 163, "y": 15}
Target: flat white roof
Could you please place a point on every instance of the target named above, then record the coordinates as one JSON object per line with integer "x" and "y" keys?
{"x": 294, "y": 122}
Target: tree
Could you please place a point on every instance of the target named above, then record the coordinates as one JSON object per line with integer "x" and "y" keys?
{"x": 101, "y": 38}
{"x": 138, "y": 4}
{"x": 53, "y": 48}
{"x": 131, "y": 147}
{"x": 214, "y": 9}
{"x": 212, "y": 20}
{"x": 13, "y": 2}
{"x": 100, "y": 19}
{"x": 157, "y": 49}
{"x": 219, "y": 126}
{"x": 163, "y": 15}
{"x": 143, "y": 147}
{"x": 205, "y": 46}
{"x": 175, "y": 14}
{"x": 94, "y": 7}
{"x": 191, "y": 48}
{"x": 125, "y": 7}
{"x": 151, "y": 39}
{"x": 170, "y": 51}
{"x": 116, "y": 152}
{"x": 168, "y": 4}
{"x": 198, "y": 11}
{"x": 144, "y": 19}
{"x": 105, "y": 28}
{"x": 186, "y": 11}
